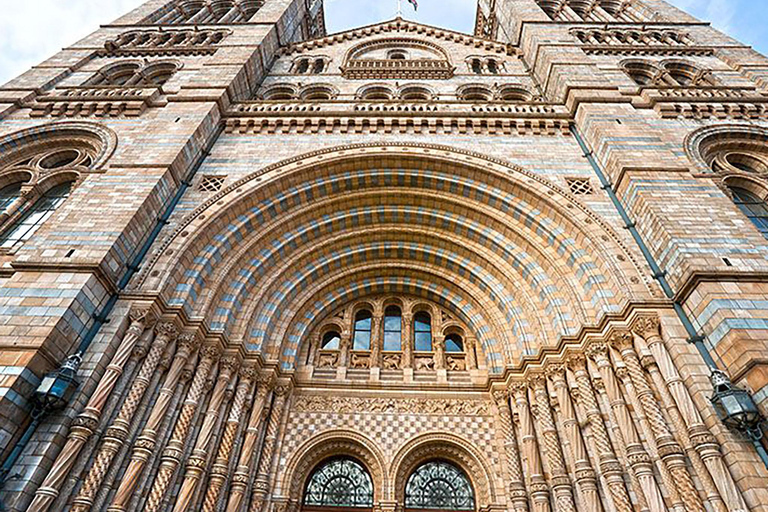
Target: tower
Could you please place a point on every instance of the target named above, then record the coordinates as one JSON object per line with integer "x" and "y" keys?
{"x": 248, "y": 265}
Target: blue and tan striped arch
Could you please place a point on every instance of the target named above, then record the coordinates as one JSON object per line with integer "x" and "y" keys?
{"x": 519, "y": 260}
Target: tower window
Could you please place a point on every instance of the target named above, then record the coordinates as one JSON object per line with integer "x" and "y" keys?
{"x": 302, "y": 67}
{"x": 477, "y": 67}
{"x": 318, "y": 67}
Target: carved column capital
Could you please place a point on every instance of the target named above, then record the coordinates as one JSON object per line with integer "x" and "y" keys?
{"x": 577, "y": 362}
{"x": 167, "y": 329}
{"x": 186, "y": 344}
{"x": 647, "y": 326}
{"x": 249, "y": 371}
{"x": 501, "y": 397}
{"x": 598, "y": 351}
{"x": 622, "y": 340}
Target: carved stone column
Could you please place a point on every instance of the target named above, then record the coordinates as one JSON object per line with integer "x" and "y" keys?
{"x": 197, "y": 460}
{"x": 220, "y": 468}
{"x": 517, "y": 491}
{"x": 610, "y": 466}
{"x": 648, "y": 328}
{"x": 561, "y": 482}
{"x": 669, "y": 450}
{"x": 171, "y": 457}
{"x": 345, "y": 344}
{"x": 639, "y": 460}
{"x": 261, "y": 484}
{"x": 439, "y": 343}
{"x": 145, "y": 444}
{"x": 243, "y": 469}
{"x": 469, "y": 348}
{"x": 586, "y": 479}
{"x": 538, "y": 484}
{"x": 376, "y": 341}
{"x": 87, "y": 421}
{"x": 407, "y": 340}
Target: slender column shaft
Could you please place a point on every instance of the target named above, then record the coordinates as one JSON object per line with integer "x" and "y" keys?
{"x": 648, "y": 328}
{"x": 220, "y": 468}
{"x": 87, "y": 421}
{"x": 407, "y": 340}
{"x": 261, "y": 485}
{"x": 538, "y": 484}
{"x": 610, "y": 466}
{"x": 243, "y": 469}
{"x": 669, "y": 449}
{"x": 639, "y": 460}
{"x": 145, "y": 444}
{"x": 197, "y": 460}
{"x": 561, "y": 482}
{"x": 511, "y": 450}
{"x": 586, "y": 479}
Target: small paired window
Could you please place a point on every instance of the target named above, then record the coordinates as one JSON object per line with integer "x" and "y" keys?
{"x": 309, "y": 65}
{"x": 362, "y": 333}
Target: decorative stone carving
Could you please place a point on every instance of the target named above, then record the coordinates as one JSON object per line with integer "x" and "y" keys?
{"x": 328, "y": 360}
{"x": 391, "y": 361}
{"x": 360, "y": 361}
{"x": 350, "y": 405}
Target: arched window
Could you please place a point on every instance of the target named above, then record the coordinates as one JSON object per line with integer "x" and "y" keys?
{"x": 454, "y": 343}
{"x": 493, "y": 68}
{"x": 8, "y": 195}
{"x": 362, "y": 336}
{"x": 23, "y": 229}
{"x": 477, "y": 66}
{"x": 393, "y": 328}
{"x": 439, "y": 485}
{"x": 753, "y": 207}
{"x": 339, "y": 483}
{"x": 422, "y": 332}
{"x": 330, "y": 341}
{"x": 318, "y": 67}
{"x": 303, "y": 66}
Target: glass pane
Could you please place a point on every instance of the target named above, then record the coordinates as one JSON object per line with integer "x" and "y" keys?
{"x": 362, "y": 340}
{"x": 439, "y": 485}
{"x": 8, "y": 195}
{"x": 340, "y": 483}
{"x": 30, "y": 222}
{"x": 392, "y": 323}
{"x": 423, "y": 341}
{"x": 454, "y": 343}
{"x": 331, "y": 341}
{"x": 391, "y": 341}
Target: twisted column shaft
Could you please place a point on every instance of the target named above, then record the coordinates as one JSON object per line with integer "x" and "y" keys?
{"x": 517, "y": 490}
{"x": 220, "y": 469}
{"x": 243, "y": 469}
{"x": 586, "y": 480}
{"x": 87, "y": 421}
{"x": 538, "y": 485}
{"x": 648, "y": 328}
{"x": 145, "y": 444}
{"x": 196, "y": 462}
{"x": 610, "y": 466}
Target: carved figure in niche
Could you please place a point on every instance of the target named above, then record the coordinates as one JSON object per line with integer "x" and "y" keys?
{"x": 425, "y": 363}
{"x": 359, "y": 361}
{"x": 328, "y": 360}
{"x": 391, "y": 362}
{"x": 454, "y": 364}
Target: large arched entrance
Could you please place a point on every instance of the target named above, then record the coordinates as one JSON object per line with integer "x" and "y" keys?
{"x": 337, "y": 484}
{"x": 438, "y": 485}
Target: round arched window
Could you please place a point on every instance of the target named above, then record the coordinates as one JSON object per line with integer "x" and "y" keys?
{"x": 339, "y": 483}
{"x": 753, "y": 207}
{"x": 331, "y": 341}
{"x": 439, "y": 485}
{"x": 454, "y": 343}
{"x": 362, "y": 335}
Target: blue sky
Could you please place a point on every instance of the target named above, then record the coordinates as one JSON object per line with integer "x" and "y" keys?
{"x": 33, "y": 30}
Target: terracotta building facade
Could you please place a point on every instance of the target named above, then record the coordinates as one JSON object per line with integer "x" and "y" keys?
{"x": 250, "y": 266}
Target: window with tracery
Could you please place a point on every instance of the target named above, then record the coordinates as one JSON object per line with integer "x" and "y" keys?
{"x": 755, "y": 208}
{"x": 339, "y": 483}
{"x": 136, "y": 74}
{"x": 439, "y": 485}
{"x": 605, "y": 11}
{"x": 206, "y": 12}
{"x": 28, "y": 224}
{"x": 667, "y": 74}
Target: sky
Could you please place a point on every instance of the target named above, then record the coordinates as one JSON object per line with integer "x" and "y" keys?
{"x": 33, "y": 30}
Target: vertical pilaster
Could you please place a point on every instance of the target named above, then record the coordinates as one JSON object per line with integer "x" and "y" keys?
{"x": 537, "y": 483}
{"x": 517, "y": 492}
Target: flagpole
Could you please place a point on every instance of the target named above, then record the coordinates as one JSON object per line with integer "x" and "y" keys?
{"x": 399, "y": 9}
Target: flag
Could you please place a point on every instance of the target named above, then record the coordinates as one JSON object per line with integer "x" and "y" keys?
{"x": 415, "y": 4}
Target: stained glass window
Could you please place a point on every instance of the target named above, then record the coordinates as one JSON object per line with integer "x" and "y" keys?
{"x": 422, "y": 331}
{"x": 339, "y": 483}
{"x": 393, "y": 327}
{"x": 439, "y": 485}
{"x": 23, "y": 229}
{"x": 362, "y": 336}
{"x": 753, "y": 207}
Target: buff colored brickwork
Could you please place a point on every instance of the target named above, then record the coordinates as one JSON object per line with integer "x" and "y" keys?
{"x": 385, "y": 246}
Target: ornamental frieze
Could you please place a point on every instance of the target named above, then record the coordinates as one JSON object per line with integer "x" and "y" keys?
{"x": 350, "y": 405}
